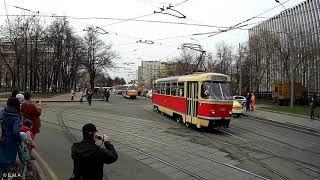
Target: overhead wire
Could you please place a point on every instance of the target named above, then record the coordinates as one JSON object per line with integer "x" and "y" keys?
{"x": 110, "y": 18}
{"x": 238, "y": 25}
{"x": 138, "y": 17}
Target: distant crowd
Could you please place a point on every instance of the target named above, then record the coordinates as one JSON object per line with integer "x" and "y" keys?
{"x": 20, "y": 124}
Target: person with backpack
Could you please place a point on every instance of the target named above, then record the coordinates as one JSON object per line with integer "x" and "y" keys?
{"x": 10, "y": 137}
{"x": 89, "y": 158}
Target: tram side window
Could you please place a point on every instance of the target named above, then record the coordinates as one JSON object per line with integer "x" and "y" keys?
{"x": 167, "y": 88}
{"x": 181, "y": 89}
{"x": 174, "y": 89}
{"x": 156, "y": 88}
{"x": 163, "y": 88}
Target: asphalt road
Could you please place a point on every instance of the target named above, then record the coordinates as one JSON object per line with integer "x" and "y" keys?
{"x": 153, "y": 146}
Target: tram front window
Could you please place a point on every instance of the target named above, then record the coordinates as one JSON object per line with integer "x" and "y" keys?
{"x": 215, "y": 90}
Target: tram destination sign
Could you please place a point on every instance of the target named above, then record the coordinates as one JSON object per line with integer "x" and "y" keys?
{"x": 219, "y": 78}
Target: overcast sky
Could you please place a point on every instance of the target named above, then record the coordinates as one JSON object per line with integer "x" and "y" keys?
{"x": 222, "y": 13}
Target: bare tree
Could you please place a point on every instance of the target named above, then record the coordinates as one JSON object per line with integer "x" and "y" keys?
{"x": 185, "y": 61}
{"x": 99, "y": 56}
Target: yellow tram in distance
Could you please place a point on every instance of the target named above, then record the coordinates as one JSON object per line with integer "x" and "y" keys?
{"x": 130, "y": 91}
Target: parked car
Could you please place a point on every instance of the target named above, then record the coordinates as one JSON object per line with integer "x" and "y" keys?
{"x": 240, "y": 99}
{"x": 237, "y": 109}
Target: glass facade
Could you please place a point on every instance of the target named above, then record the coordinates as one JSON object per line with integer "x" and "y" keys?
{"x": 295, "y": 40}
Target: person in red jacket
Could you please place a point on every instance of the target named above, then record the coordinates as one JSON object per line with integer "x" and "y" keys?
{"x": 31, "y": 111}
{"x": 26, "y": 127}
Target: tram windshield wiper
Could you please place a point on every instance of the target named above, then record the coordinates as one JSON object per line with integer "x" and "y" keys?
{"x": 223, "y": 94}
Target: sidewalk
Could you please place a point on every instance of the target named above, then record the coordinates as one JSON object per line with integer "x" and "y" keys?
{"x": 59, "y": 98}
{"x": 298, "y": 121}
{"x": 64, "y": 97}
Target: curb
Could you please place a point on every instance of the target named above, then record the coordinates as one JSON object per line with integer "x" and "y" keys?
{"x": 287, "y": 125}
{"x": 289, "y": 114}
{"x": 40, "y": 170}
{"x": 46, "y": 170}
{"x": 66, "y": 101}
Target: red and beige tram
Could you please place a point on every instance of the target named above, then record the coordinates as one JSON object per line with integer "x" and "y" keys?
{"x": 200, "y": 99}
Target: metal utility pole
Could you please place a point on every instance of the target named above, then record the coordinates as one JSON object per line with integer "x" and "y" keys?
{"x": 240, "y": 75}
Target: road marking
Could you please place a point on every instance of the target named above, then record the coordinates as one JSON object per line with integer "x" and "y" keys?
{"x": 45, "y": 165}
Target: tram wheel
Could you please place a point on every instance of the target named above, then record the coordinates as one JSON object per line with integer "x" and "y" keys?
{"x": 156, "y": 109}
{"x": 187, "y": 124}
{"x": 178, "y": 119}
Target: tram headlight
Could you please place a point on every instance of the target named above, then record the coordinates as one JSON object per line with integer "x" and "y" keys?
{"x": 212, "y": 112}
{"x": 230, "y": 112}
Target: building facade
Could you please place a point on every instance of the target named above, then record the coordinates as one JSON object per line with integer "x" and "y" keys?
{"x": 150, "y": 71}
{"x": 168, "y": 69}
{"x": 139, "y": 74}
{"x": 286, "y": 44}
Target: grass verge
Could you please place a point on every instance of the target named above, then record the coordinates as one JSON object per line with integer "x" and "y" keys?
{"x": 297, "y": 109}
{"x": 37, "y": 95}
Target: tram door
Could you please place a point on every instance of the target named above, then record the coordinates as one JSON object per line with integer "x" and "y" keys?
{"x": 192, "y": 102}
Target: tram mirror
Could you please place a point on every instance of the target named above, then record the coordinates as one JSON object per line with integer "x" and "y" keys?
{"x": 206, "y": 94}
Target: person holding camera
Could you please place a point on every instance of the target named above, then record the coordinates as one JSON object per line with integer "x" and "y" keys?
{"x": 89, "y": 158}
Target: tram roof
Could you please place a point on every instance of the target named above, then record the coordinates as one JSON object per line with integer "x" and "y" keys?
{"x": 128, "y": 85}
{"x": 194, "y": 77}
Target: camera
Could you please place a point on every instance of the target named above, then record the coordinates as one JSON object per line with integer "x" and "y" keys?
{"x": 99, "y": 137}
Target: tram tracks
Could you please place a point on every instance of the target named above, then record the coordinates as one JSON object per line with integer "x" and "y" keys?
{"x": 274, "y": 139}
{"x": 303, "y": 164}
{"x": 137, "y": 123}
{"x": 266, "y": 151}
{"x": 73, "y": 137}
{"x": 167, "y": 145}
{"x": 287, "y": 125}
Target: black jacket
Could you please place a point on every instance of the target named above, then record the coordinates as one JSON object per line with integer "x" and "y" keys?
{"x": 106, "y": 94}
{"x": 88, "y": 159}
{"x": 313, "y": 104}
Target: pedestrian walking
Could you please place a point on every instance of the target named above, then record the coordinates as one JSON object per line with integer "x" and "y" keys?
{"x": 106, "y": 95}
{"x": 89, "y": 158}
{"x": 248, "y": 102}
{"x": 32, "y": 111}
{"x": 313, "y": 105}
{"x": 89, "y": 97}
{"x": 253, "y": 101}
{"x": 11, "y": 117}
{"x": 72, "y": 94}
{"x": 81, "y": 96}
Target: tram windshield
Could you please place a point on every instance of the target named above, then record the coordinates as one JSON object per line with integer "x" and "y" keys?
{"x": 216, "y": 90}
{"x": 133, "y": 87}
